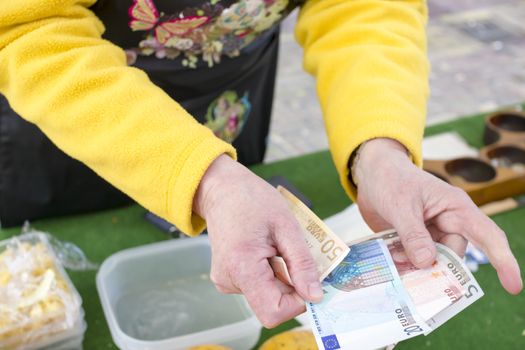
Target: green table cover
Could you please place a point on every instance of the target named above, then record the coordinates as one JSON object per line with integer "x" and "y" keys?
{"x": 497, "y": 321}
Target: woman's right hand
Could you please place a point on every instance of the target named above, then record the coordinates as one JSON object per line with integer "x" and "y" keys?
{"x": 248, "y": 223}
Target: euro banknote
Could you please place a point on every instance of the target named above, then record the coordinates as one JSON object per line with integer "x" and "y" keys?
{"x": 440, "y": 291}
{"x": 346, "y": 320}
{"x": 365, "y": 304}
{"x": 374, "y": 295}
{"x": 471, "y": 290}
{"x": 326, "y": 247}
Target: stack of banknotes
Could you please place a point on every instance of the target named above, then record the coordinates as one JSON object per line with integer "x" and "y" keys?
{"x": 373, "y": 295}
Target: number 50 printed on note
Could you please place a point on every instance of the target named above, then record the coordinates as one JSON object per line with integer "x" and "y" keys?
{"x": 365, "y": 304}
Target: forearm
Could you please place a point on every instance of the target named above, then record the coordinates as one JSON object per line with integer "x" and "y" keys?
{"x": 369, "y": 58}
{"x": 58, "y": 73}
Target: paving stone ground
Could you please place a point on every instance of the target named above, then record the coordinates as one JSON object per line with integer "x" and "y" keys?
{"x": 477, "y": 53}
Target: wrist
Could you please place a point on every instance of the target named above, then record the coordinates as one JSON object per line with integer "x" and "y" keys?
{"x": 375, "y": 152}
{"x": 215, "y": 177}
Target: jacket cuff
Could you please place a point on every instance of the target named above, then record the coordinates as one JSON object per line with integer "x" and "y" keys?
{"x": 187, "y": 176}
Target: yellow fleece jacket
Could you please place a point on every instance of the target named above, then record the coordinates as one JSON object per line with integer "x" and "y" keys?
{"x": 57, "y": 72}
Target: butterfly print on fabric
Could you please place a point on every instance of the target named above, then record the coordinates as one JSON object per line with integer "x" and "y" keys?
{"x": 207, "y": 32}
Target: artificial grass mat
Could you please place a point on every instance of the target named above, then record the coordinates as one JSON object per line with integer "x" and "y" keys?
{"x": 495, "y": 321}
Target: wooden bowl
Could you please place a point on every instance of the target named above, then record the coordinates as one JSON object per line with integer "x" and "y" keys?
{"x": 505, "y": 127}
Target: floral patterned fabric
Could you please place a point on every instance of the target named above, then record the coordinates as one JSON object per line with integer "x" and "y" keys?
{"x": 227, "y": 115}
{"x": 204, "y": 33}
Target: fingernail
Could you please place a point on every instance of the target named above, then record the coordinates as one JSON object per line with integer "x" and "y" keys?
{"x": 422, "y": 255}
{"x": 315, "y": 291}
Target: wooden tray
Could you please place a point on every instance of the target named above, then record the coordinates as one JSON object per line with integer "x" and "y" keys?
{"x": 499, "y": 171}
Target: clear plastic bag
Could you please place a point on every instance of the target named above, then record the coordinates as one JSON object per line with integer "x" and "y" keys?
{"x": 70, "y": 256}
{"x": 39, "y": 306}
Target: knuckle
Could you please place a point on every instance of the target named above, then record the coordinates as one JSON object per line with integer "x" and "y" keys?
{"x": 227, "y": 289}
{"x": 303, "y": 264}
{"x": 269, "y": 320}
{"x": 239, "y": 253}
{"x": 460, "y": 196}
{"x": 229, "y": 261}
{"x": 216, "y": 277}
{"x": 222, "y": 289}
{"x": 498, "y": 258}
{"x": 239, "y": 275}
{"x": 267, "y": 313}
{"x": 288, "y": 225}
{"x": 222, "y": 282}
{"x": 498, "y": 232}
{"x": 415, "y": 236}
{"x": 220, "y": 271}
{"x": 235, "y": 272}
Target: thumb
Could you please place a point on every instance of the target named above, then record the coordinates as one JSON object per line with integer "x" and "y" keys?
{"x": 417, "y": 241}
{"x": 301, "y": 265}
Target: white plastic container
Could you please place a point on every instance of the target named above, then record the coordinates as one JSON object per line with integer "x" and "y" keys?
{"x": 160, "y": 297}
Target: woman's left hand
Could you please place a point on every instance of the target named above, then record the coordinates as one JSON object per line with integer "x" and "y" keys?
{"x": 393, "y": 192}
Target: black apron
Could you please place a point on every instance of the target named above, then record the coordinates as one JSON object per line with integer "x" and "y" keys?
{"x": 231, "y": 93}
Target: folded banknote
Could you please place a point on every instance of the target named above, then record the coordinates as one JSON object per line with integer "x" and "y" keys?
{"x": 326, "y": 247}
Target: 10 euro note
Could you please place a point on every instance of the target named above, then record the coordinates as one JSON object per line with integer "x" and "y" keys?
{"x": 365, "y": 304}
{"x": 327, "y": 249}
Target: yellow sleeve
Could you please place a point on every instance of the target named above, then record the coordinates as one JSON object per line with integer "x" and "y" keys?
{"x": 369, "y": 58}
{"x": 57, "y": 72}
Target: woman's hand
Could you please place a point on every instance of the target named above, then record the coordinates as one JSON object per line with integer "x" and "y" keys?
{"x": 392, "y": 192}
{"x": 249, "y": 222}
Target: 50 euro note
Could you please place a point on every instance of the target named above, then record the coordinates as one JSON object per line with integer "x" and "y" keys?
{"x": 327, "y": 249}
{"x": 365, "y": 304}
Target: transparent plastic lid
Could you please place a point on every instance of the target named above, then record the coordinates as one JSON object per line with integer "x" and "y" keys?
{"x": 38, "y": 302}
